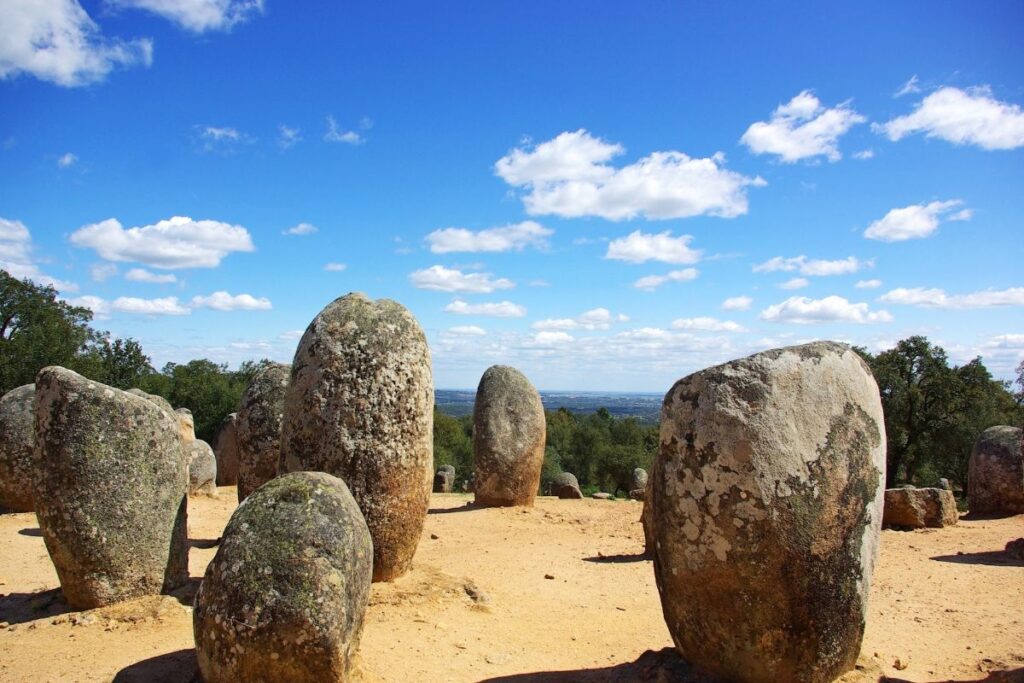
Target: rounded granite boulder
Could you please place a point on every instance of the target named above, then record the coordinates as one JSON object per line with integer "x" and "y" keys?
{"x": 17, "y": 439}
{"x": 360, "y": 406}
{"x": 995, "y": 472}
{"x": 509, "y": 433}
{"x": 225, "y": 448}
{"x": 564, "y": 485}
{"x": 444, "y": 480}
{"x": 285, "y": 596}
{"x": 766, "y": 503}
{"x": 202, "y": 469}
{"x": 258, "y": 427}
{"x": 111, "y": 480}
{"x": 914, "y": 508}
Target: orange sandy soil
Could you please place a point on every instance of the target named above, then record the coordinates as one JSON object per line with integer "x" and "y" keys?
{"x": 558, "y": 592}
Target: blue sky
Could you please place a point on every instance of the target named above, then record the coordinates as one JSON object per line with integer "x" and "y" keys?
{"x": 607, "y": 197}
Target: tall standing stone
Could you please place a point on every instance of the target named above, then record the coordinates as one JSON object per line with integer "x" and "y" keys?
{"x": 17, "y": 439}
{"x": 766, "y": 506}
{"x": 285, "y": 596}
{"x": 360, "y": 406}
{"x": 509, "y": 432}
{"x": 110, "y": 482}
{"x": 225, "y": 447}
{"x": 202, "y": 469}
{"x": 258, "y": 427}
{"x": 186, "y": 425}
{"x": 995, "y": 472}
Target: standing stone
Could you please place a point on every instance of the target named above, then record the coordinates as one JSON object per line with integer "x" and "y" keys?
{"x": 186, "y": 425}
{"x": 225, "y": 448}
{"x": 258, "y": 426}
{"x": 639, "y": 479}
{"x": 202, "y": 469}
{"x": 944, "y": 484}
{"x": 766, "y": 500}
{"x": 914, "y": 508}
{"x": 566, "y": 486}
{"x": 647, "y": 522}
{"x": 444, "y": 480}
{"x": 508, "y": 438}
{"x": 285, "y": 597}
{"x": 995, "y": 472}
{"x": 110, "y": 483}
{"x": 155, "y": 398}
{"x": 360, "y": 406}
{"x": 17, "y": 439}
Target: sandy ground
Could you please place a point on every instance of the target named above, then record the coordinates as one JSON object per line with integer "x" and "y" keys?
{"x": 558, "y": 592}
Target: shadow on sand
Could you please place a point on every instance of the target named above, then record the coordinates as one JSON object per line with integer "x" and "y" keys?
{"x": 173, "y": 667}
{"x": 203, "y": 543}
{"x": 616, "y": 559}
{"x": 468, "y": 507}
{"x": 995, "y": 558}
{"x": 663, "y": 665}
{"x": 32, "y": 531}
{"x": 20, "y": 608}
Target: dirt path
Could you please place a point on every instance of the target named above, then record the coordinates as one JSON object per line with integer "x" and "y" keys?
{"x": 554, "y": 593}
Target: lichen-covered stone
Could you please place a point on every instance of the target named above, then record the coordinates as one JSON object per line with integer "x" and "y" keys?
{"x": 186, "y": 425}
{"x": 360, "y": 406}
{"x": 202, "y": 469}
{"x": 766, "y": 502}
{"x": 258, "y": 427}
{"x": 509, "y": 432}
{"x": 995, "y": 472}
{"x": 111, "y": 480}
{"x": 647, "y": 522}
{"x": 565, "y": 485}
{"x": 915, "y": 508}
{"x": 155, "y": 398}
{"x": 17, "y": 439}
{"x": 225, "y": 448}
{"x": 444, "y": 479}
{"x": 639, "y": 479}
{"x": 285, "y": 596}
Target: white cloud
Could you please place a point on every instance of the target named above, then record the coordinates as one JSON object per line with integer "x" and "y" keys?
{"x": 467, "y": 330}
{"x": 178, "y": 242}
{"x": 222, "y": 139}
{"x": 198, "y": 15}
{"x": 551, "y": 338}
{"x": 804, "y": 311}
{"x": 502, "y": 309}
{"x": 67, "y": 160}
{"x": 57, "y": 41}
{"x": 594, "y": 319}
{"x": 801, "y": 129}
{"x": 443, "y": 279}
{"x": 864, "y": 154}
{"x": 639, "y": 247}
{"x": 17, "y": 259}
{"x": 737, "y": 303}
{"x": 915, "y": 221}
{"x": 132, "y": 305}
{"x": 707, "y": 325}
{"x": 813, "y": 267}
{"x": 795, "y": 283}
{"x": 222, "y": 301}
{"x": 652, "y": 282}
{"x": 910, "y": 87}
{"x": 291, "y": 335}
{"x": 288, "y": 137}
{"x": 514, "y": 237}
{"x": 102, "y": 271}
{"x": 143, "y": 275}
{"x": 334, "y": 267}
{"x": 868, "y": 284}
{"x": 336, "y": 134}
{"x": 963, "y": 117}
{"x": 569, "y": 176}
{"x": 301, "y": 229}
{"x": 937, "y": 298}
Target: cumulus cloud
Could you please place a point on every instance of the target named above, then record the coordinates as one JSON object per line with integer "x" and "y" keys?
{"x": 705, "y": 324}
{"x": 594, "y": 319}
{"x": 336, "y": 134}
{"x": 178, "y": 242}
{"x": 652, "y": 282}
{"x": 868, "y": 284}
{"x": 501, "y": 309}
{"x": 963, "y": 117}
{"x": 443, "y": 279}
{"x": 198, "y": 16}
{"x": 813, "y": 267}
{"x": 551, "y": 338}
{"x": 288, "y": 137}
{"x": 639, "y": 247}
{"x": 514, "y": 237}
{"x": 467, "y": 330}
{"x": 222, "y": 301}
{"x": 805, "y": 311}
{"x": 795, "y": 283}
{"x": 57, "y": 41}
{"x": 17, "y": 259}
{"x": 334, "y": 267}
{"x": 802, "y": 129}
{"x": 570, "y": 176}
{"x": 103, "y": 308}
{"x": 66, "y": 160}
{"x": 301, "y": 229}
{"x": 737, "y": 303}
{"x": 143, "y": 275}
{"x": 915, "y": 221}
{"x": 937, "y": 298}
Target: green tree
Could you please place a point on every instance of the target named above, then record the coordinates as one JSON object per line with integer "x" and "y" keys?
{"x": 205, "y": 388}
{"x": 453, "y": 445}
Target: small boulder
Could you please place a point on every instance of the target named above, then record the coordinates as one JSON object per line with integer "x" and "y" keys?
{"x": 509, "y": 432}
{"x": 111, "y": 480}
{"x": 225, "y": 448}
{"x": 944, "y": 484}
{"x": 639, "y": 479}
{"x": 636, "y": 494}
{"x": 564, "y": 485}
{"x": 186, "y": 425}
{"x": 258, "y": 427}
{"x": 918, "y": 508}
{"x": 601, "y": 495}
{"x": 202, "y": 469}
{"x": 285, "y": 597}
{"x": 444, "y": 480}
{"x": 17, "y": 439}
{"x": 995, "y": 472}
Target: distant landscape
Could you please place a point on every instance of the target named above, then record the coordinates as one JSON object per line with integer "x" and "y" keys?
{"x": 644, "y": 407}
